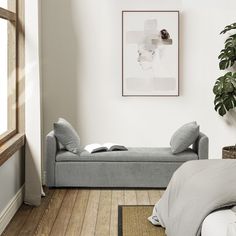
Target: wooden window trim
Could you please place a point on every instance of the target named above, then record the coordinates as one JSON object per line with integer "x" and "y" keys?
{"x": 7, "y": 15}
{"x": 6, "y": 136}
{"x": 10, "y": 147}
{"x": 13, "y": 140}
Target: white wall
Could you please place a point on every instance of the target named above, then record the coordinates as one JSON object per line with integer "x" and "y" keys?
{"x": 11, "y": 178}
{"x": 81, "y": 51}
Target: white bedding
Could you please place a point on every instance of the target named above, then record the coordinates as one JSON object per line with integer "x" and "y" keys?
{"x": 220, "y": 223}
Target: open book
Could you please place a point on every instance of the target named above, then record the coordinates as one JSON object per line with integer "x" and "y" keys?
{"x": 106, "y": 147}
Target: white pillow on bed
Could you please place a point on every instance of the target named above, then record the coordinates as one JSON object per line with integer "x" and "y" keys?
{"x": 219, "y": 223}
{"x": 231, "y": 229}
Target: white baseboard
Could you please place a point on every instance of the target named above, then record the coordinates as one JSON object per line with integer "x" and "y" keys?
{"x": 11, "y": 208}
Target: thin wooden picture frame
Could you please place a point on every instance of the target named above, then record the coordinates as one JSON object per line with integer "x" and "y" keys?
{"x": 138, "y": 53}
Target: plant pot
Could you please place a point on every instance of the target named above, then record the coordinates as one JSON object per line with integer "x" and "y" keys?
{"x": 229, "y": 152}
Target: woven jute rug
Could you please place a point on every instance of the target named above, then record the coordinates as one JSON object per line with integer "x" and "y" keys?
{"x": 132, "y": 221}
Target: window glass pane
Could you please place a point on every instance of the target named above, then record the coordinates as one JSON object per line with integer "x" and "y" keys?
{"x": 3, "y": 3}
{"x": 11, "y": 74}
{"x": 8, "y": 4}
{"x": 7, "y": 77}
{"x": 3, "y": 76}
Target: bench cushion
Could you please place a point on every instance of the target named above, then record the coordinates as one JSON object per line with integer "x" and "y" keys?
{"x": 132, "y": 155}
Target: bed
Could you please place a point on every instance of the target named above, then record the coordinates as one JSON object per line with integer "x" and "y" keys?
{"x": 220, "y": 223}
{"x": 194, "y": 200}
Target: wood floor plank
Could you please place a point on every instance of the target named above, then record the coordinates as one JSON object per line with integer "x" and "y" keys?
{"x": 162, "y": 192}
{"x": 50, "y": 214}
{"x": 142, "y": 197}
{"x": 77, "y": 217}
{"x": 117, "y": 199}
{"x": 130, "y": 197}
{"x": 60, "y": 225}
{"x": 35, "y": 215}
{"x": 75, "y": 212}
{"x": 90, "y": 217}
{"x": 104, "y": 214}
{"x": 18, "y": 221}
{"x": 154, "y": 196}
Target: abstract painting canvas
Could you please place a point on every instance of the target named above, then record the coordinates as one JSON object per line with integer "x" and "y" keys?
{"x": 150, "y": 44}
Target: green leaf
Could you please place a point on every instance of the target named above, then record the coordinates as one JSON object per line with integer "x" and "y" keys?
{"x": 228, "y": 104}
{"x": 229, "y": 44}
{"x": 223, "y": 64}
{"x": 222, "y": 111}
{"x": 225, "y": 86}
{"x": 230, "y": 81}
{"x": 224, "y": 103}
{"x": 227, "y": 40}
{"x": 228, "y": 88}
{"x": 219, "y": 86}
{"x": 228, "y": 28}
{"x": 221, "y": 56}
{"x": 228, "y": 74}
{"x": 227, "y": 55}
{"x": 230, "y": 52}
{"x": 217, "y": 106}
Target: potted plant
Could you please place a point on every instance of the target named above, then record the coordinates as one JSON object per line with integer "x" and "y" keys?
{"x": 225, "y": 86}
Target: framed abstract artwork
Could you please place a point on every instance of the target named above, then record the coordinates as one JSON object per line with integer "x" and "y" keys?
{"x": 150, "y": 48}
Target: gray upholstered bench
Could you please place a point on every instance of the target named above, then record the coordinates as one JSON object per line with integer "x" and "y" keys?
{"x": 137, "y": 167}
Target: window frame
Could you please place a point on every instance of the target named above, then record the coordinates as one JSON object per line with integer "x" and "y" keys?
{"x": 12, "y": 18}
{"x": 12, "y": 140}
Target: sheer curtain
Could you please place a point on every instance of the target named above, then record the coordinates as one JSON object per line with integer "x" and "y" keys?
{"x": 33, "y": 152}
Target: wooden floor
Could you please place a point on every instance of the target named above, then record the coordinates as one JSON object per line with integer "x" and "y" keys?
{"x": 77, "y": 212}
